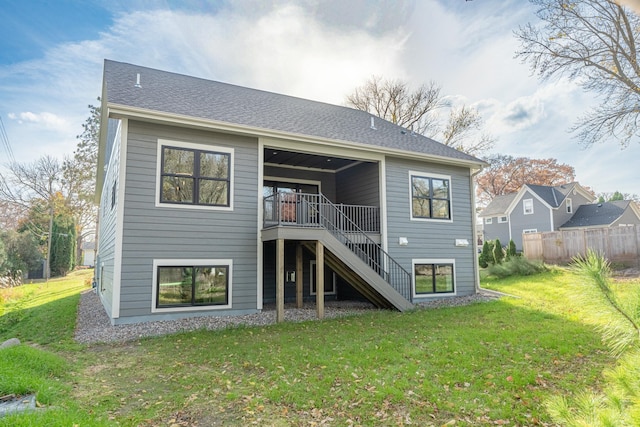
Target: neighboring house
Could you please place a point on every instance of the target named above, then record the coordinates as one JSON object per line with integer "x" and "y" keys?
{"x": 216, "y": 199}
{"x": 534, "y": 208}
{"x": 607, "y": 214}
{"x": 88, "y": 253}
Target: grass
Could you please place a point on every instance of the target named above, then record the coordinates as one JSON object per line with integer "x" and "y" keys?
{"x": 45, "y": 312}
{"x": 485, "y": 364}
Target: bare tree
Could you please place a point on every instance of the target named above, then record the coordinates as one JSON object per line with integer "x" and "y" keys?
{"x": 394, "y": 101}
{"x": 464, "y": 132}
{"x": 417, "y": 110}
{"x": 593, "y": 42}
{"x": 26, "y": 183}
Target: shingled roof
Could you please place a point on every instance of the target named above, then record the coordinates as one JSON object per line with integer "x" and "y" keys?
{"x": 597, "y": 214}
{"x": 498, "y": 206}
{"x": 551, "y": 195}
{"x": 186, "y": 96}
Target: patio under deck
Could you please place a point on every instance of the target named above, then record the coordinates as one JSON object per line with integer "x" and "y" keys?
{"x": 353, "y": 245}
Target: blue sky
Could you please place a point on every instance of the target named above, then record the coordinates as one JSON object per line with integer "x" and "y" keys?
{"x": 51, "y": 57}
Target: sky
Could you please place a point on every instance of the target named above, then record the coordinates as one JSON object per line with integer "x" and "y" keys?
{"x": 52, "y": 53}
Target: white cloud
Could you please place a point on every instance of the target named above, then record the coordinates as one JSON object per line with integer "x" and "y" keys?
{"x": 285, "y": 50}
{"x": 44, "y": 119}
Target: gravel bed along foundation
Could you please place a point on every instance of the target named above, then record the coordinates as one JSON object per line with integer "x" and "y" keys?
{"x": 93, "y": 325}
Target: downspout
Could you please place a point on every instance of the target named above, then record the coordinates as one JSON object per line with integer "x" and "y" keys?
{"x": 474, "y": 228}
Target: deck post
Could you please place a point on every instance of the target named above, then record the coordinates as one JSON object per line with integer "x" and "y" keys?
{"x": 319, "y": 279}
{"x": 280, "y": 281}
{"x": 299, "y": 302}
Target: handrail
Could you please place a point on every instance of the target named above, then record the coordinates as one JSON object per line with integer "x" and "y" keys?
{"x": 316, "y": 211}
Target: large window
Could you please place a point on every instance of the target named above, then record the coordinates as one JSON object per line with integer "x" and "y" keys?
{"x": 202, "y": 285}
{"x": 430, "y": 197}
{"x": 184, "y": 284}
{"x": 192, "y": 176}
{"x": 432, "y": 277}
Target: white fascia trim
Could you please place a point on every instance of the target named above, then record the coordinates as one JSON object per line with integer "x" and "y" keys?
{"x": 518, "y": 198}
{"x": 189, "y": 262}
{"x": 259, "y": 243}
{"x": 118, "y": 110}
{"x": 424, "y": 174}
{"x": 119, "y": 233}
{"x": 204, "y": 147}
{"x": 433, "y": 261}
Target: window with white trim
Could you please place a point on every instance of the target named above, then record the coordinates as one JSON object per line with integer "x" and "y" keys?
{"x": 488, "y": 221}
{"x": 194, "y": 175}
{"x": 527, "y": 205}
{"x": 191, "y": 284}
{"x": 503, "y": 219}
{"x": 433, "y": 277}
{"x": 569, "y": 206}
{"x": 430, "y": 196}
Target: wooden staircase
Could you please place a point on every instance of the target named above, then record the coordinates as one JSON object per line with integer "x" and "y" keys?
{"x": 351, "y": 252}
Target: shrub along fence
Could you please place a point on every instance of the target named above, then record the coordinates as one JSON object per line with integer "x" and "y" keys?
{"x": 617, "y": 244}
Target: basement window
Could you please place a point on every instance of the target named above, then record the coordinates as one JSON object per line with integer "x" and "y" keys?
{"x": 433, "y": 277}
{"x": 191, "y": 284}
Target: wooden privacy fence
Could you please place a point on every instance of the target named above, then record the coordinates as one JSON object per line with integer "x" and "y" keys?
{"x": 618, "y": 244}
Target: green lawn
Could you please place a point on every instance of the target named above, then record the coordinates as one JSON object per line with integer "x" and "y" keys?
{"x": 494, "y": 363}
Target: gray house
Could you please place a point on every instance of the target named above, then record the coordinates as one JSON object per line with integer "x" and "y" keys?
{"x": 534, "y": 208}
{"x": 217, "y": 199}
{"x": 619, "y": 213}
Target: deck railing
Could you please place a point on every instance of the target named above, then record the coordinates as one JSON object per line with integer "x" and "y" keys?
{"x": 349, "y": 224}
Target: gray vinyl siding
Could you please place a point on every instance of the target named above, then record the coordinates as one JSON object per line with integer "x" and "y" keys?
{"x": 359, "y": 185}
{"x": 152, "y": 232}
{"x": 431, "y": 239}
{"x": 108, "y": 216}
{"x": 327, "y": 179}
{"x": 497, "y": 230}
{"x": 628, "y": 217}
{"x": 560, "y": 215}
{"x": 539, "y": 220}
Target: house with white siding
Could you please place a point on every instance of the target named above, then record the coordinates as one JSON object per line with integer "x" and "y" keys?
{"x": 217, "y": 199}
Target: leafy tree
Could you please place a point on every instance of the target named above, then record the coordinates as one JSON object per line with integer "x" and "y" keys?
{"x": 395, "y": 101}
{"x": 80, "y": 177}
{"x": 22, "y": 252}
{"x": 3, "y": 257}
{"x": 63, "y": 245}
{"x": 595, "y": 43}
{"x": 498, "y": 252}
{"x": 507, "y": 174}
{"x": 486, "y": 256}
{"x": 511, "y": 250}
{"x": 617, "y": 195}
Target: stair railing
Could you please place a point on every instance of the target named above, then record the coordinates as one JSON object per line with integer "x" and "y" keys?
{"x": 316, "y": 211}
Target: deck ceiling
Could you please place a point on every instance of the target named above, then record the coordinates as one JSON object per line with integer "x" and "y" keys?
{"x": 314, "y": 161}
